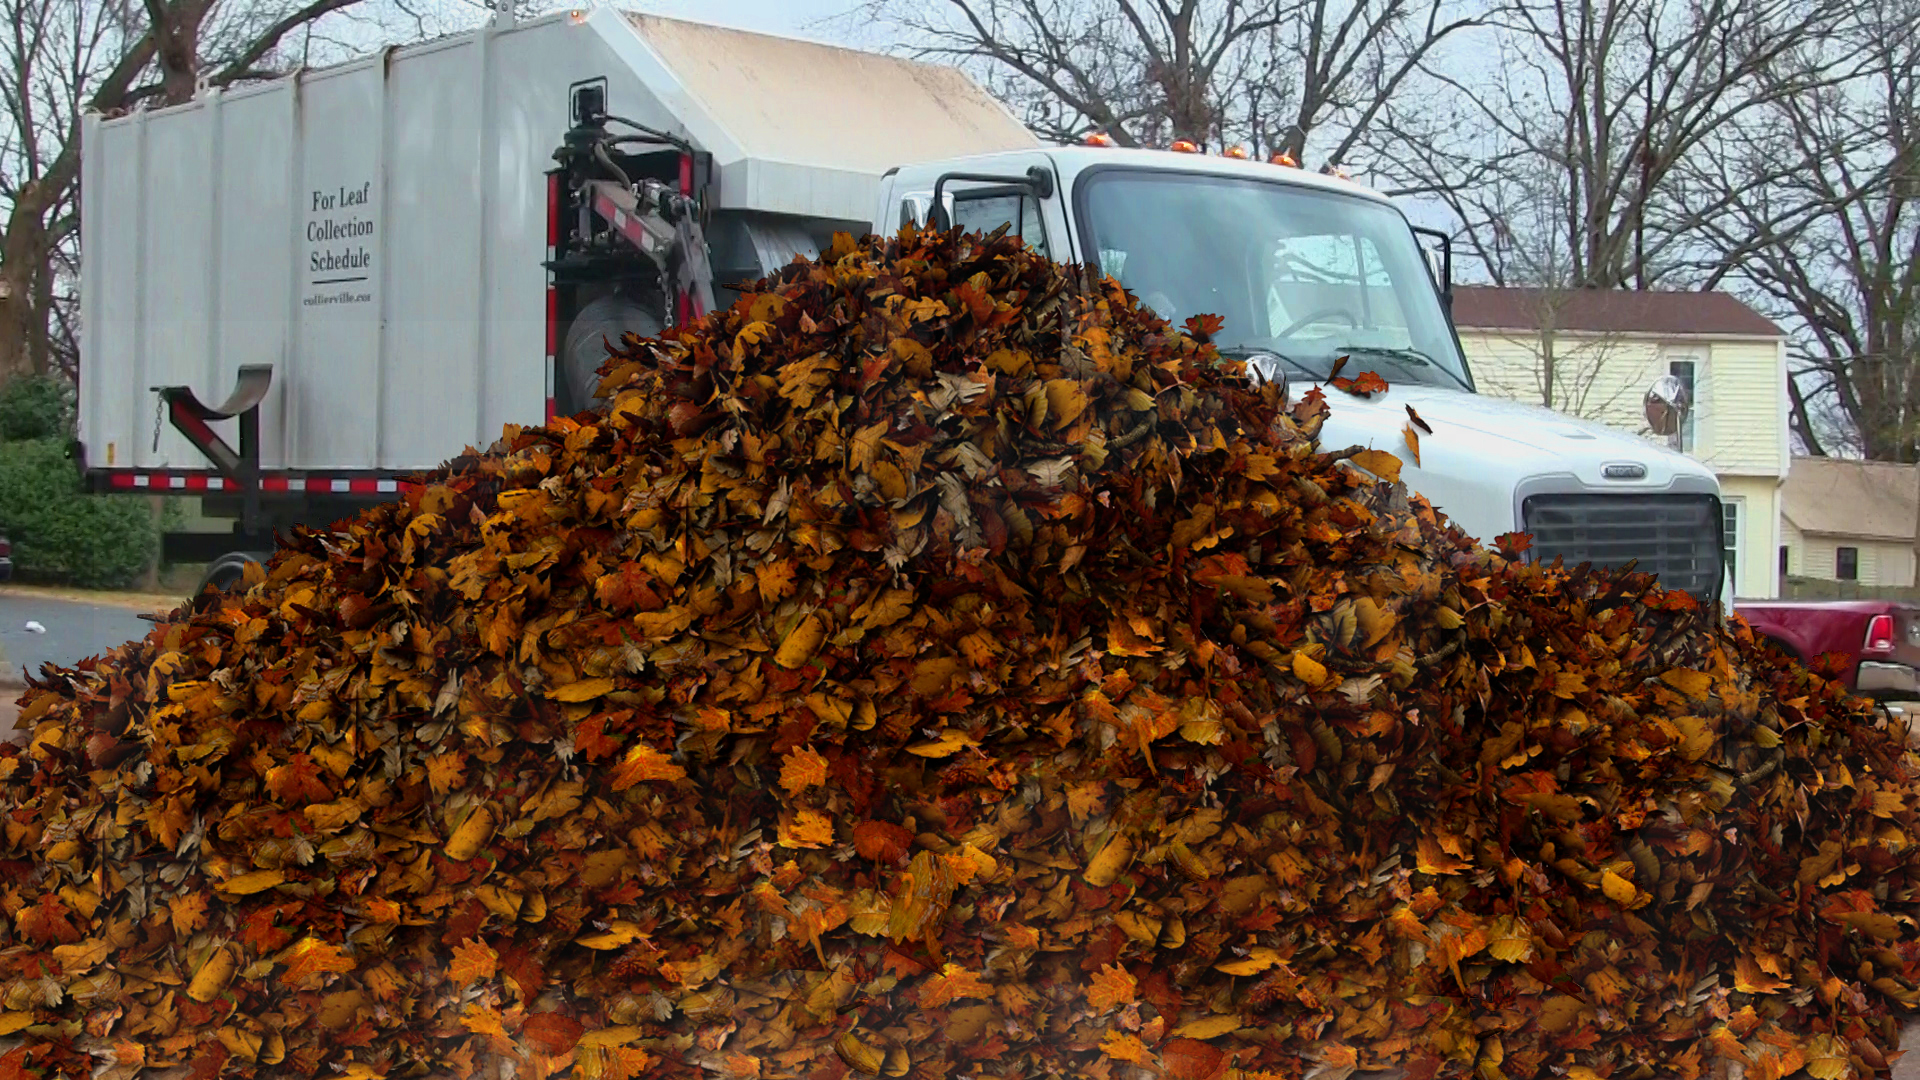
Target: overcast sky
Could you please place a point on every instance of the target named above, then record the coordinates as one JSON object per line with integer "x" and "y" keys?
{"x": 821, "y": 20}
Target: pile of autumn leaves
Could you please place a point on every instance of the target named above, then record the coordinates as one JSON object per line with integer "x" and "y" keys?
{"x": 936, "y": 665}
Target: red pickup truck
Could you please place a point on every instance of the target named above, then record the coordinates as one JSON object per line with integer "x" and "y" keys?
{"x": 1879, "y": 638}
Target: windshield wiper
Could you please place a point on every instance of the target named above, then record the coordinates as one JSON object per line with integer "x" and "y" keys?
{"x": 1405, "y": 356}
{"x": 1411, "y": 356}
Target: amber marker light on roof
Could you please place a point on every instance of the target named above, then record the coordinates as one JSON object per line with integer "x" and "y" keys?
{"x": 1098, "y": 138}
{"x": 1183, "y": 146}
{"x": 1283, "y": 158}
{"x": 1238, "y": 152}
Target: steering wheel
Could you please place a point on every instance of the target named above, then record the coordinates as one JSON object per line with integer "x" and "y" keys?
{"x": 1316, "y": 316}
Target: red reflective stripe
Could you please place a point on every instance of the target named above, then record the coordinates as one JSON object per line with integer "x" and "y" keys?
{"x": 686, "y": 174}
{"x": 195, "y": 428}
{"x": 121, "y": 480}
{"x": 552, "y": 410}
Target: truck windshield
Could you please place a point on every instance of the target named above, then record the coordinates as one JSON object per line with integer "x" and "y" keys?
{"x": 1309, "y": 275}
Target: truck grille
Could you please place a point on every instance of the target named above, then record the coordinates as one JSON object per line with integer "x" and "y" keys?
{"x": 1674, "y": 537}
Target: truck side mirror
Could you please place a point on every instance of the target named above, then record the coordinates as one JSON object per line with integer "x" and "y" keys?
{"x": 1666, "y": 405}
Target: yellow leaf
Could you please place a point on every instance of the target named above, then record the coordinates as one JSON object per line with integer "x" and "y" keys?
{"x": 14, "y": 1021}
{"x": 473, "y": 832}
{"x": 584, "y": 690}
{"x": 619, "y": 934}
{"x": 1379, "y": 463}
{"x": 807, "y": 829}
{"x": 1123, "y": 1047}
{"x": 1560, "y": 1012}
{"x": 1618, "y": 889}
{"x": 1510, "y": 940}
{"x": 1211, "y": 1028}
{"x": 1066, "y": 400}
{"x": 248, "y": 884}
{"x": 1694, "y": 684}
{"x": 1827, "y": 1058}
{"x": 951, "y": 741}
{"x": 1309, "y": 671}
{"x": 801, "y": 642}
{"x": 1256, "y": 962}
{"x": 1112, "y": 859}
{"x": 613, "y": 1036}
{"x": 213, "y": 975}
{"x": 78, "y": 958}
{"x": 858, "y": 1055}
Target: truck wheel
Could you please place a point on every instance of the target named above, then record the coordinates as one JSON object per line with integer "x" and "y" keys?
{"x": 229, "y": 570}
{"x": 601, "y": 323}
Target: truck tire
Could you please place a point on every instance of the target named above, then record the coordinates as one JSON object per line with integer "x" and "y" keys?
{"x": 229, "y": 570}
{"x": 600, "y": 324}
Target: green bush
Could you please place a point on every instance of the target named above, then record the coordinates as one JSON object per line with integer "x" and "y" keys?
{"x": 62, "y": 535}
{"x": 35, "y": 407}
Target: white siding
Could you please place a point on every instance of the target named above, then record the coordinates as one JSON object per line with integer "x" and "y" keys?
{"x": 1757, "y": 562}
{"x": 1740, "y": 410}
{"x": 1600, "y": 379}
{"x": 1881, "y": 562}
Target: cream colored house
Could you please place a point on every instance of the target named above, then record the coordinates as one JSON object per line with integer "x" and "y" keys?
{"x": 1593, "y": 353}
{"x": 1850, "y": 521}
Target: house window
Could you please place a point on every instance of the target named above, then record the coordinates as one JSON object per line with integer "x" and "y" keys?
{"x": 1684, "y": 370}
{"x": 1784, "y": 561}
{"x": 1846, "y": 563}
{"x": 1730, "y": 538}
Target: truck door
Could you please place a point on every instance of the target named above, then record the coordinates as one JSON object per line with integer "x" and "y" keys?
{"x": 983, "y": 205}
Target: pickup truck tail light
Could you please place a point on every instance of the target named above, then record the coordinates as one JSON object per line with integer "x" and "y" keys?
{"x": 1880, "y": 634}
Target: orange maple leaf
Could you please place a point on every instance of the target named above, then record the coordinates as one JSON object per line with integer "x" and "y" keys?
{"x": 806, "y": 829}
{"x": 630, "y": 588}
{"x": 802, "y": 769}
{"x": 953, "y": 983}
{"x": 774, "y": 578}
{"x": 188, "y": 912}
{"x": 1112, "y": 987}
{"x": 473, "y": 961}
{"x": 1120, "y": 1046}
{"x": 298, "y": 781}
{"x": 312, "y": 957}
{"x": 643, "y": 762}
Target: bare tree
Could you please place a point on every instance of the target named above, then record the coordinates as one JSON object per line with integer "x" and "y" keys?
{"x": 1821, "y": 221}
{"x": 1595, "y": 107}
{"x": 1282, "y": 76}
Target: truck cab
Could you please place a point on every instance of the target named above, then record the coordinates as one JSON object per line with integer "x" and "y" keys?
{"x": 1305, "y": 269}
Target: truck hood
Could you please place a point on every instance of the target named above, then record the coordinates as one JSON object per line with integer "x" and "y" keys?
{"x": 1485, "y": 454}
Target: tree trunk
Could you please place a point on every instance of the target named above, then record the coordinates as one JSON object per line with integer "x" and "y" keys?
{"x": 23, "y": 251}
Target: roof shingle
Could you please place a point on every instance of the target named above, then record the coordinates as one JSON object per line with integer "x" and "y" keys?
{"x": 1608, "y": 311}
{"x": 1840, "y": 497}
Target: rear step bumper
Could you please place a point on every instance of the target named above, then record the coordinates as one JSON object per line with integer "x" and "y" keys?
{"x": 1879, "y": 679}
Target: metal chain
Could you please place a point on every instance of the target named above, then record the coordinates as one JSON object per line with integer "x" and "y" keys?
{"x": 159, "y": 407}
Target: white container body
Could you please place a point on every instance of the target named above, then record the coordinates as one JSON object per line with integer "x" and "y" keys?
{"x": 377, "y": 231}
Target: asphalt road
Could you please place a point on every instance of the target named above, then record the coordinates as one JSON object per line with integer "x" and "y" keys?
{"x": 75, "y": 630}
